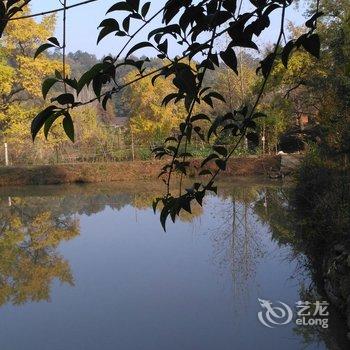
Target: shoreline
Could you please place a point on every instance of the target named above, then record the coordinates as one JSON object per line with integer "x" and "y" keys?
{"x": 124, "y": 171}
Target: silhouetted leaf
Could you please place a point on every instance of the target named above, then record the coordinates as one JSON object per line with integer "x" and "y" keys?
{"x": 54, "y": 41}
{"x": 209, "y": 158}
{"x": 42, "y": 48}
{"x": 221, "y": 164}
{"x": 49, "y": 122}
{"x": 134, "y": 4}
{"x": 312, "y": 45}
{"x": 120, "y": 6}
{"x": 311, "y": 22}
{"x": 145, "y": 9}
{"x": 286, "y": 52}
{"x": 230, "y": 59}
{"x": 68, "y": 126}
{"x": 139, "y": 46}
{"x": 39, "y": 121}
{"x": 64, "y": 99}
{"x": 221, "y": 150}
{"x": 47, "y": 85}
{"x": 87, "y": 77}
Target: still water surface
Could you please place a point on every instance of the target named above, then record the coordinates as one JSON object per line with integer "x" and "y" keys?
{"x": 86, "y": 267}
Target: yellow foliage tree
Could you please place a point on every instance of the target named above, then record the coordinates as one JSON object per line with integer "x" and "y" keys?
{"x": 150, "y": 121}
{"x": 236, "y": 89}
{"x": 21, "y": 76}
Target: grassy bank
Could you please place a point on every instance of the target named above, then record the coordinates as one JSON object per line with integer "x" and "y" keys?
{"x": 121, "y": 171}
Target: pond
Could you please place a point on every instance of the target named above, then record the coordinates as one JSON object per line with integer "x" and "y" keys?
{"x": 89, "y": 267}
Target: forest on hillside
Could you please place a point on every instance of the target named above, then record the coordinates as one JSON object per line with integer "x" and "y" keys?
{"x": 229, "y": 94}
{"x": 305, "y": 105}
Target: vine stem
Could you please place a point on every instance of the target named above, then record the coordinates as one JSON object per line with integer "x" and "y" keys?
{"x": 155, "y": 71}
{"x": 64, "y": 45}
{"x": 138, "y": 31}
{"x": 188, "y": 119}
{"x": 261, "y": 92}
{"x": 49, "y": 11}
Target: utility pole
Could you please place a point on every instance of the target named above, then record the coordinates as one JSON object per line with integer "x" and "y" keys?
{"x": 6, "y": 155}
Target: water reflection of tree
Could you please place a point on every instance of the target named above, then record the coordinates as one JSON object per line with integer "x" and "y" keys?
{"x": 236, "y": 239}
{"x": 288, "y": 229}
{"x": 238, "y": 247}
{"x": 31, "y": 229}
{"x": 29, "y": 261}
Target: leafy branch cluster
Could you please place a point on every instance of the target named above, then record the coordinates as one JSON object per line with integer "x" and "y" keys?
{"x": 188, "y": 23}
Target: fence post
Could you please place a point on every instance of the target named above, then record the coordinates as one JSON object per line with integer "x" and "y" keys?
{"x": 132, "y": 146}
{"x": 6, "y": 155}
{"x": 264, "y": 140}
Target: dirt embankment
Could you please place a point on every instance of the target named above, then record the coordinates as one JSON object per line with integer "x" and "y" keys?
{"x": 122, "y": 171}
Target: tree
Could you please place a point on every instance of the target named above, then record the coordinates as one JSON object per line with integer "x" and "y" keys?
{"x": 150, "y": 121}
{"x": 184, "y": 22}
{"x": 318, "y": 88}
{"x": 21, "y": 76}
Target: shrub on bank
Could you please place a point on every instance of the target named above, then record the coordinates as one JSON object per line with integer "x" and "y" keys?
{"x": 322, "y": 201}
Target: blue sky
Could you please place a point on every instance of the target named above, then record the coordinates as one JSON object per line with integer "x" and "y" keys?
{"x": 82, "y": 25}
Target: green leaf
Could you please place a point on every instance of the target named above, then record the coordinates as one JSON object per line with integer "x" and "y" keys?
{"x": 68, "y": 126}
{"x": 87, "y": 77}
{"x": 138, "y": 47}
{"x": 145, "y": 9}
{"x": 221, "y": 164}
{"x": 230, "y": 59}
{"x": 120, "y": 6}
{"x": 42, "y": 48}
{"x": 58, "y": 74}
{"x": 312, "y": 45}
{"x": 109, "y": 25}
{"x": 39, "y": 121}
{"x": 199, "y": 197}
{"x": 209, "y": 158}
{"x": 134, "y": 4}
{"x": 311, "y": 23}
{"x": 221, "y": 150}
{"x": 47, "y": 85}
{"x": 72, "y": 83}
{"x": 267, "y": 64}
{"x": 207, "y": 99}
{"x": 155, "y": 204}
{"x": 54, "y": 41}
{"x": 49, "y": 122}
{"x": 163, "y": 216}
{"x": 126, "y": 24}
{"x": 200, "y": 117}
{"x": 64, "y": 99}
{"x": 286, "y": 52}
{"x": 230, "y": 5}
{"x": 185, "y": 204}
{"x": 167, "y": 99}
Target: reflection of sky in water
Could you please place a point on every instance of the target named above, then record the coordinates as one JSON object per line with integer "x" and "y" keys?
{"x": 136, "y": 287}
